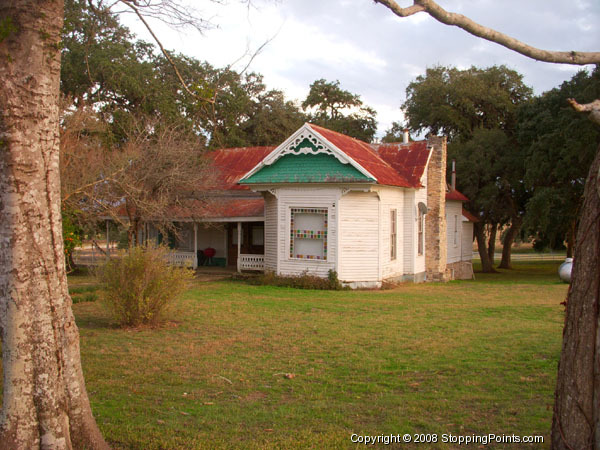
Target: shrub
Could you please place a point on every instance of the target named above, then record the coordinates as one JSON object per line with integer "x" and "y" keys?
{"x": 140, "y": 285}
{"x": 302, "y": 281}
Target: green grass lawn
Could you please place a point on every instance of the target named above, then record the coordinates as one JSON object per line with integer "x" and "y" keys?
{"x": 466, "y": 357}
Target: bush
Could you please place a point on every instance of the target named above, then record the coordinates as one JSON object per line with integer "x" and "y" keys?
{"x": 141, "y": 285}
{"x": 303, "y": 281}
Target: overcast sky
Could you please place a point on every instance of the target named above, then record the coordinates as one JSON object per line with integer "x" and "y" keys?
{"x": 376, "y": 54}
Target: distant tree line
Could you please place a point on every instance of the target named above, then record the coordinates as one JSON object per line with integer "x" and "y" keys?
{"x": 521, "y": 159}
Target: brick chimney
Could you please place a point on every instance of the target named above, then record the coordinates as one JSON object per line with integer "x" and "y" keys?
{"x": 435, "y": 221}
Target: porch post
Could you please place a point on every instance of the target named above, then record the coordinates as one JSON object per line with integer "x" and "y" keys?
{"x": 107, "y": 241}
{"x": 195, "y": 245}
{"x": 239, "y": 246}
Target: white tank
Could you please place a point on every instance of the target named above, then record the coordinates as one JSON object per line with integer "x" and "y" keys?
{"x": 564, "y": 271}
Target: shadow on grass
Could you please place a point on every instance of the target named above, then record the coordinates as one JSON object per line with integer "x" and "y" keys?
{"x": 522, "y": 272}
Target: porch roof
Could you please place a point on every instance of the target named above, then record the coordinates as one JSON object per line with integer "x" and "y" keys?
{"x": 220, "y": 209}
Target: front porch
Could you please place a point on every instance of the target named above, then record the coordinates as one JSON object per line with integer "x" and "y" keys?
{"x": 235, "y": 245}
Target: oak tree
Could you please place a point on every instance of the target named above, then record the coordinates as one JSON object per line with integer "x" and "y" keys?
{"x": 45, "y": 404}
{"x": 340, "y": 110}
{"x": 473, "y": 106}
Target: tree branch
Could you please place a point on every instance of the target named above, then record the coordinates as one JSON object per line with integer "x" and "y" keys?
{"x": 132, "y": 5}
{"x": 593, "y": 108}
{"x": 399, "y": 11}
{"x": 474, "y": 28}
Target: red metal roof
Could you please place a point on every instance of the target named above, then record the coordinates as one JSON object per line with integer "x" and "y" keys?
{"x": 409, "y": 160}
{"x": 456, "y": 196}
{"x": 234, "y": 163}
{"x": 219, "y": 208}
{"x": 469, "y": 216}
{"x": 367, "y": 157}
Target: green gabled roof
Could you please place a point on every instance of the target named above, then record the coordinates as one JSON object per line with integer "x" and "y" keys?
{"x": 307, "y": 168}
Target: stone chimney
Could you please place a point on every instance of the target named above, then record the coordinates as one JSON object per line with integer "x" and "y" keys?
{"x": 435, "y": 221}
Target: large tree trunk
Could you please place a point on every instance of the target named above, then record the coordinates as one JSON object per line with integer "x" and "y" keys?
{"x": 571, "y": 239}
{"x": 45, "y": 404}
{"x": 491, "y": 247}
{"x": 509, "y": 238}
{"x": 576, "y": 421}
{"x": 486, "y": 264}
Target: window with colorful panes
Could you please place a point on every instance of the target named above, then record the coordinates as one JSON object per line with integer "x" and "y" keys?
{"x": 308, "y": 233}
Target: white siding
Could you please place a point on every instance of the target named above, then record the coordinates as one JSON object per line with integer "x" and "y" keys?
{"x": 419, "y": 260}
{"x": 306, "y": 197}
{"x": 467, "y": 241}
{"x": 270, "y": 232}
{"x": 359, "y": 237}
{"x": 453, "y": 216}
{"x": 392, "y": 198}
{"x": 409, "y": 232}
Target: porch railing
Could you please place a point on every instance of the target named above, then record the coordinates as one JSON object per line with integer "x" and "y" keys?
{"x": 251, "y": 262}
{"x": 181, "y": 259}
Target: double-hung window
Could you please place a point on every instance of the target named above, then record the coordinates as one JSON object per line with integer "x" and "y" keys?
{"x": 308, "y": 233}
{"x": 393, "y": 233}
{"x": 420, "y": 232}
{"x": 455, "y": 230}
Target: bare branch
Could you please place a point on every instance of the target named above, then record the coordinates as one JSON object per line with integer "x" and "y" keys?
{"x": 399, "y": 11}
{"x": 592, "y": 108}
{"x": 474, "y": 28}
{"x": 176, "y": 14}
{"x": 135, "y": 9}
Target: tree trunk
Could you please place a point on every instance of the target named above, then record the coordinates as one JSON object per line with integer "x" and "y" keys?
{"x": 571, "y": 239}
{"x": 576, "y": 421}
{"x": 509, "y": 238}
{"x": 45, "y": 404}
{"x": 491, "y": 247}
{"x": 486, "y": 264}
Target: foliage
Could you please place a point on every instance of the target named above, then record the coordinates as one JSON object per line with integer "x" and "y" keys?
{"x": 394, "y": 134}
{"x": 477, "y": 109}
{"x": 457, "y": 102}
{"x": 140, "y": 285}
{"x": 125, "y": 79}
{"x": 340, "y": 110}
{"x": 72, "y": 234}
{"x": 132, "y": 138}
{"x": 158, "y": 165}
{"x": 245, "y": 113}
{"x": 559, "y": 144}
{"x": 303, "y": 281}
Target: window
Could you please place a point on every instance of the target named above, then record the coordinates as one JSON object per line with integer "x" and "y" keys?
{"x": 308, "y": 233}
{"x": 420, "y": 229}
{"x": 258, "y": 235}
{"x": 455, "y": 230}
{"x": 393, "y": 233}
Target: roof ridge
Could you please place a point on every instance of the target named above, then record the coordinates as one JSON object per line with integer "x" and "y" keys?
{"x": 367, "y": 146}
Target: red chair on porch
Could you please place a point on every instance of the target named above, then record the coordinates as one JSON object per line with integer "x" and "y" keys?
{"x": 208, "y": 255}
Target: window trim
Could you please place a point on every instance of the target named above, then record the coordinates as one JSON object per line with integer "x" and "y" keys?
{"x": 455, "y": 230}
{"x": 420, "y": 233}
{"x": 294, "y": 233}
{"x": 393, "y": 234}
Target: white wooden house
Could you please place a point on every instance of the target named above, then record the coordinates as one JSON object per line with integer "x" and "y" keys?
{"x": 322, "y": 201}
